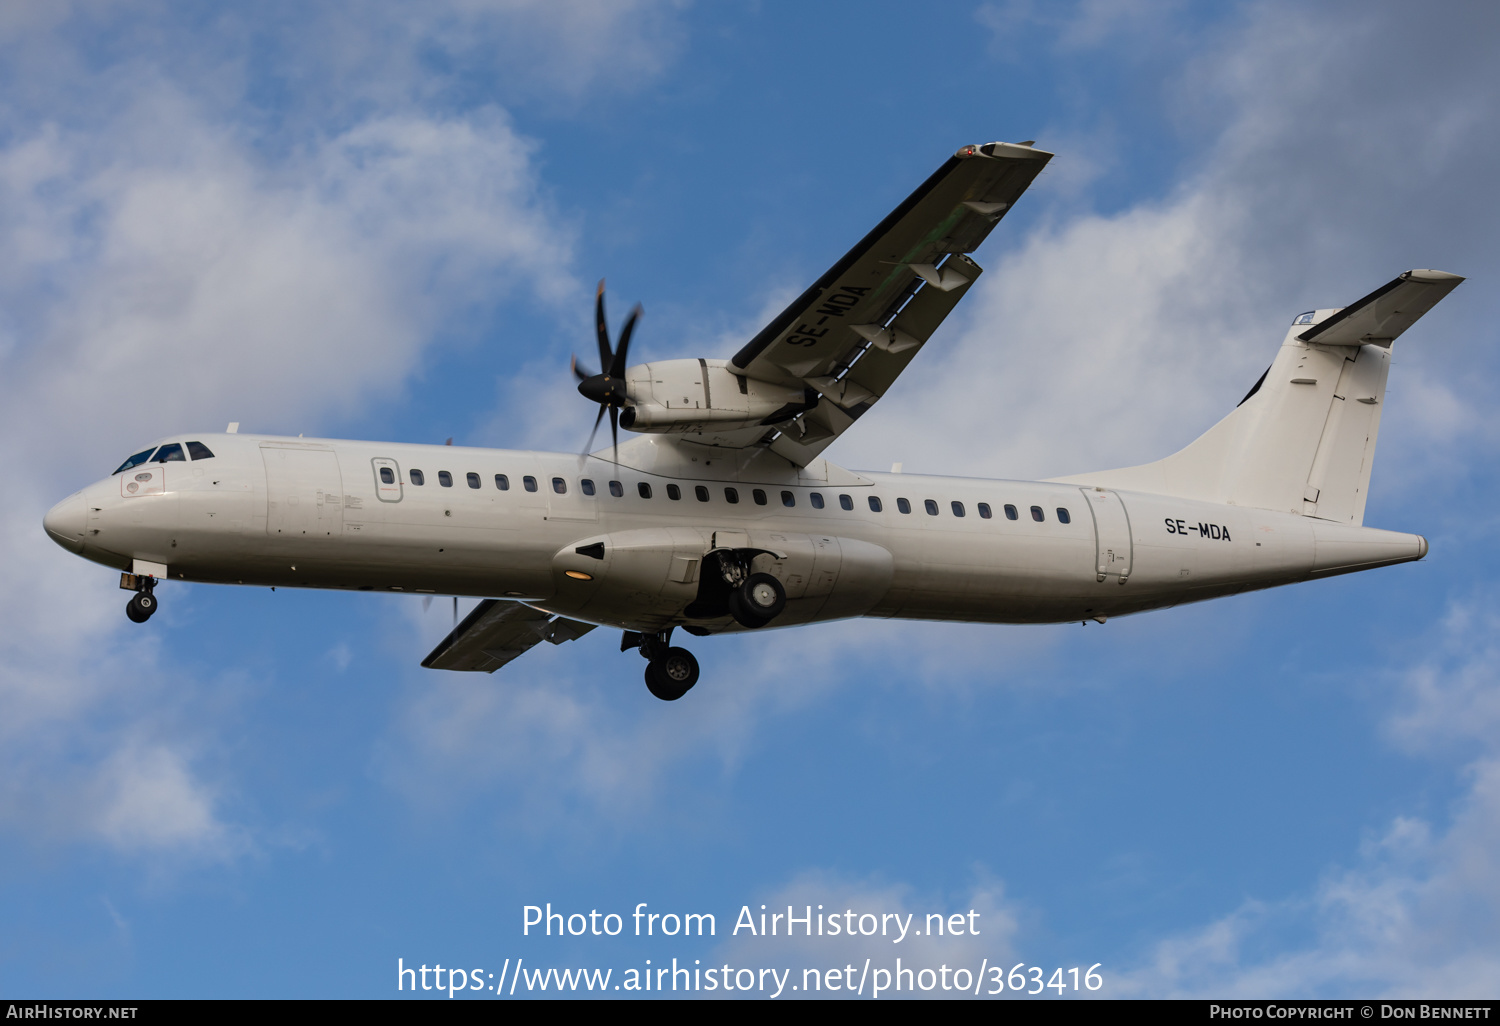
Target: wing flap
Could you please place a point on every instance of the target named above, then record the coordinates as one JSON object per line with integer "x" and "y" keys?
{"x": 496, "y": 632}
{"x": 872, "y": 370}
{"x": 1385, "y": 313}
{"x": 950, "y": 213}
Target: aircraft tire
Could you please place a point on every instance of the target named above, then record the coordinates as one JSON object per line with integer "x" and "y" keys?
{"x": 761, "y": 598}
{"x": 673, "y": 675}
{"x": 741, "y": 615}
{"x": 140, "y": 608}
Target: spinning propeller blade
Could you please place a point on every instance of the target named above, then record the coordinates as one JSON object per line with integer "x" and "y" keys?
{"x": 607, "y": 388}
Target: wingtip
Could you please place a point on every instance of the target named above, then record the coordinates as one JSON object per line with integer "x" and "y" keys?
{"x": 1025, "y": 150}
{"x": 1433, "y": 277}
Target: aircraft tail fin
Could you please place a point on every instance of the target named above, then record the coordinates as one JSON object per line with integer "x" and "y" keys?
{"x": 1303, "y": 439}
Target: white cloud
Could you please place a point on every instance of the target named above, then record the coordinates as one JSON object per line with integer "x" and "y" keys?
{"x": 185, "y": 281}
{"x": 152, "y": 801}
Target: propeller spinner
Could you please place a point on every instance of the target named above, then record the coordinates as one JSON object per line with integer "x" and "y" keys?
{"x": 607, "y": 388}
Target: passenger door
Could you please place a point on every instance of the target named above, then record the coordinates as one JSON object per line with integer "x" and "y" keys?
{"x": 1111, "y": 534}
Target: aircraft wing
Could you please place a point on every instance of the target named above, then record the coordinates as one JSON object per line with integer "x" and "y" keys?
{"x": 498, "y": 631}
{"x": 845, "y": 339}
{"x": 1384, "y": 313}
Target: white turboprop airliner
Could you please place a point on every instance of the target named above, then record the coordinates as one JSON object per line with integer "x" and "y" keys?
{"x": 722, "y": 516}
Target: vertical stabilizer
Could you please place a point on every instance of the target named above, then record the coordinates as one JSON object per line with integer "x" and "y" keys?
{"x": 1303, "y": 440}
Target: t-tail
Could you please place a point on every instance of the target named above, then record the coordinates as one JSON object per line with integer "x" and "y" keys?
{"x": 1303, "y": 440}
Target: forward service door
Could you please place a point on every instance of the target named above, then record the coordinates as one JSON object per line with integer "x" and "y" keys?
{"x": 304, "y": 492}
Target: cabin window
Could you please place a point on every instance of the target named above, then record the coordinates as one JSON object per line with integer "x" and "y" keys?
{"x": 731, "y": 495}
{"x": 616, "y": 489}
{"x": 816, "y": 498}
{"x": 1063, "y": 516}
{"x": 559, "y": 486}
{"x": 417, "y": 478}
{"x": 387, "y": 475}
{"x": 701, "y": 493}
{"x": 985, "y": 512}
{"x": 874, "y": 504}
{"x": 1037, "y": 514}
{"x": 1010, "y": 512}
{"x": 845, "y": 502}
{"x": 931, "y": 506}
{"x": 586, "y": 485}
{"x": 445, "y": 479}
{"x": 903, "y": 505}
{"x": 199, "y": 451}
{"x": 136, "y": 460}
{"x": 673, "y": 492}
{"x": 502, "y": 482}
{"x": 170, "y": 454}
{"x": 643, "y": 489}
{"x": 759, "y": 495}
{"x": 472, "y": 478}
{"x": 529, "y": 483}
{"x": 788, "y": 499}
{"x": 958, "y": 508}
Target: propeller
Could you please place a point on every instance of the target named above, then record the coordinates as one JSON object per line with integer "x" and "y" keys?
{"x": 427, "y": 604}
{"x": 607, "y": 388}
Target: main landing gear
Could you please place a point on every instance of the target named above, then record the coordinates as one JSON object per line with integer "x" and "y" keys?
{"x": 730, "y": 587}
{"x": 756, "y": 601}
{"x": 670, "y": 672}
{"x": 143, "y": 604}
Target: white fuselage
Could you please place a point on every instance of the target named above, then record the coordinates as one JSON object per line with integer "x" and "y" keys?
{"x": 315, "y": 513}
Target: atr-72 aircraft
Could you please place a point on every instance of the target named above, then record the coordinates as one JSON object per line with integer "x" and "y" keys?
{"x": 723, "y": 516}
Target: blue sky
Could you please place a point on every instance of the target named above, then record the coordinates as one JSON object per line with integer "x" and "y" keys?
{"x": 370, "y": 221}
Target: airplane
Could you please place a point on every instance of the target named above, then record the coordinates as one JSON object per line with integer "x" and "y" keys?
{"x": 721, "y": 515}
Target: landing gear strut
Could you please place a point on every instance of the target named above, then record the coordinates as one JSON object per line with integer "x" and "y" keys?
{"x": 143, "y": 604}
{"x": 670, "y": 672}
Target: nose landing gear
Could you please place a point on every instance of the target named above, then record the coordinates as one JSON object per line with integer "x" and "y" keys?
{"x": 143, "y": 604}
{"x": 670, "y": 672}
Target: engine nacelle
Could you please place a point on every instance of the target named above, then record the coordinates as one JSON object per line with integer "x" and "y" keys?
{"x": 690, "y": 396}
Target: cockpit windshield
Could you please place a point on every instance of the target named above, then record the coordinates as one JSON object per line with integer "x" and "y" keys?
{"x": 167, "y": 454}
{"x": 136, "y": 460}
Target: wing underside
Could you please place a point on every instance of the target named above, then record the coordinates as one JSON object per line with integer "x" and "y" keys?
{"x": 846, "y": 339}
{"x": 496, "y": 632}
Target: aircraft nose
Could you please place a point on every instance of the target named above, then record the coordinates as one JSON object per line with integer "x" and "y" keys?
{"x": 67, "y": 521}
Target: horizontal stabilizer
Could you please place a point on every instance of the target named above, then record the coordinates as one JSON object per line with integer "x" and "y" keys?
{"x": 1384, "y": 313}
{"x": 496, "y": 632}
